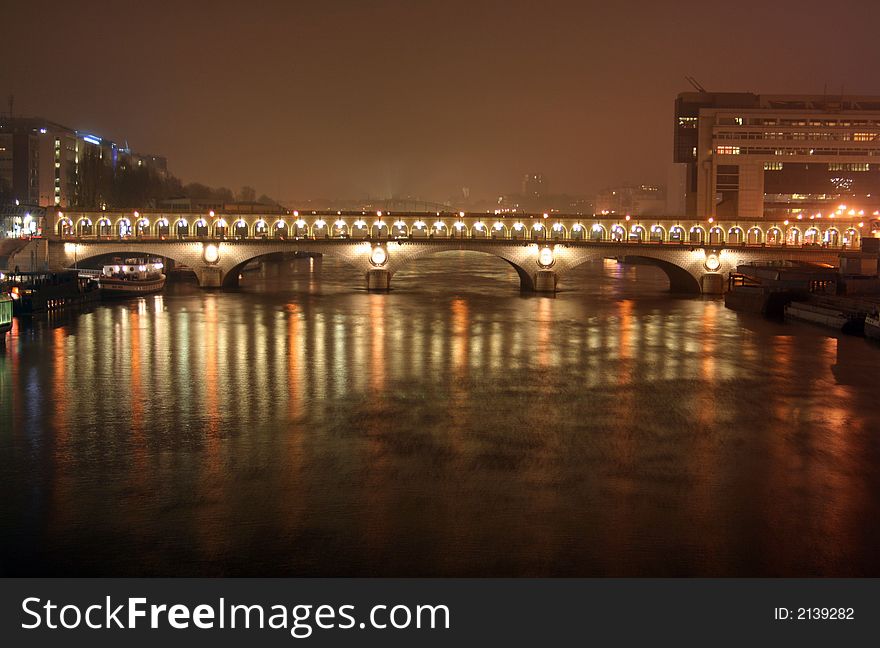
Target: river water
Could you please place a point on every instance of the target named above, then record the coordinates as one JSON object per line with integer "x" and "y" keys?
{"x": 301, "y": 426}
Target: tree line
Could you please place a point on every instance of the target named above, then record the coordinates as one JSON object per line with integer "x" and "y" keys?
{"x": 131, "y": 186}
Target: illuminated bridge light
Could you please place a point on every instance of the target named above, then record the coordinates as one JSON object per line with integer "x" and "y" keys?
{"x": 712, "y": 263}
{"x": 211, "y": 254}
{"x": 378, "y": 256}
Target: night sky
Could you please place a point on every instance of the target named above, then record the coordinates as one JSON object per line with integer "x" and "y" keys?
{"x": 354, "y": 98}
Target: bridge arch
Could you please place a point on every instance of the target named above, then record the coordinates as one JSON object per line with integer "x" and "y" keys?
{"x": 774, "y": 236}
{"x": 597, "y": 232}
{"x": 518, "y": 231}
{"x": 793, "y": 235}
{"x": 123, "y": 227}
{"x": 84, "y": 227}
{"x": 558, "y": 231}
{"x": 681, "y": 279}
{"x": 200, "y": 228}
{"x": 735, "y": 235}
{"x": 399, "y": 229}
{"x": 161, "y": 229}
{"x": 812, "y": 236}
{"x": 852, "y": 237}
{"x": 677, "y": 234}
{"x": 379, "y": 230}
{"x": 300, "y": 228}
{"x": 181, "y": 228}
{"x": 261, "y": 229}
{"x": 637, "y": 233}
{"x": 65, "y": 227}
{"x": 658, "y": 233}
{"x": 499, "y": 230}
{"x": 439, "y": 229}
{"x": 832, "y": 236}
{"x": 419, "y": 229}
{"x": 526, "y": 278}
{"x": 618, "y": 233}
{"x": 240, "y": 229}
{"x": 359, "y": 229}
{"x": 232, "y": 273}
{"x": 142, "y": 226}
{"x": 479, "y": 230}
{"x": 755, "y": 236}
{"x": 716, "y": 235}
{"x": 698, "y": 234}
{"x": 219, "y": 229}
{"x": 319, "y": 229}
{"x": 538, "y": 231}
{"x": 459, "y": 230}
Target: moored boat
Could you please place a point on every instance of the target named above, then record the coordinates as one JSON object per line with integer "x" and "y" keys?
{"x": 872, "y": 326}
{"x": 133, "y": 278}
{"x": 5, "y": 317}
{"x": 33, "y": 292}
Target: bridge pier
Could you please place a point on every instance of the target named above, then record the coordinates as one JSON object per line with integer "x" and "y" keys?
{"x": 545, "y": 281}
{"x": 712, "y": 284}
{"x": 378, "y": 280}
{"x": 209, "y": 276}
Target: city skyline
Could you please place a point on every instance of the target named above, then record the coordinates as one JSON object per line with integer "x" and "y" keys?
{"x": 307, "y": 102}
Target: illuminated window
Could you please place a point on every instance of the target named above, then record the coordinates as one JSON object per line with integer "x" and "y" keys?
{"x": 772, "y": 166}
{"x": 727, "y": 150}
{"x": 849, "y": 166}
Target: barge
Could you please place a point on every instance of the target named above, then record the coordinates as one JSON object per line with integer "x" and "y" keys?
{"x": 132, "y": 278}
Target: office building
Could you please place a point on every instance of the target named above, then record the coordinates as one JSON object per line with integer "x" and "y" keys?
{"x": 44, "y": 163}
{"x": 754, "y": 156}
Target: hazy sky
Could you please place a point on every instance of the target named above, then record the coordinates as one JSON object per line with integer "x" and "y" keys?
{"x": 349, "y": 98}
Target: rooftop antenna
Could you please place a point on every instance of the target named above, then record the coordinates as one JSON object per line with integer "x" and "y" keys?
{"x": 696, "y": 84}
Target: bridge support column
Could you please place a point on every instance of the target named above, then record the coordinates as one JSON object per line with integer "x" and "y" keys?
{"x": 378, "y": 280}
{"x": 209, "y": 276}
{"x": 545, "y": 281}
{"x": 712, "y": 284}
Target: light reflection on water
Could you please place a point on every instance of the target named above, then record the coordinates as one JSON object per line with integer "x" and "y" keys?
{"x": 302, "y": 426}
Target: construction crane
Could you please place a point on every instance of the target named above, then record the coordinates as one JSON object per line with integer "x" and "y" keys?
{"x": 697, "y": 86}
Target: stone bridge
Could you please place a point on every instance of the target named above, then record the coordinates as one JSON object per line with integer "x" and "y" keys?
{"x": 540, "y": 265}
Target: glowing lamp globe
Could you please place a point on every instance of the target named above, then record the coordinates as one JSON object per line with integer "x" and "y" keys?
{"x": 211, "y": 254}
{"x": 378, "y": 256}
{"x": 545, "y": 257}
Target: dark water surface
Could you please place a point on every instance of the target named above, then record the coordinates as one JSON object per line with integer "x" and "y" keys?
{"x": 304, "y": 427}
